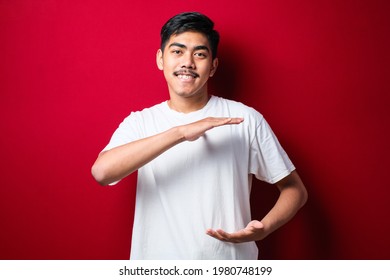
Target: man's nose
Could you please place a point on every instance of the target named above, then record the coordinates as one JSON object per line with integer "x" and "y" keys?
{"x": 188, "y": 61}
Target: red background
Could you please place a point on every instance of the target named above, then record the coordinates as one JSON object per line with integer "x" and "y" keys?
{"x": 70, "y": 71}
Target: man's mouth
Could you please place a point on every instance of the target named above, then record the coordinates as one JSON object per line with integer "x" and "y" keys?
{"x": 186, "y": 74}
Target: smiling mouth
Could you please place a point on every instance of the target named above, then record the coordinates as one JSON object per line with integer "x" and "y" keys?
{"x": 186, "y": 75}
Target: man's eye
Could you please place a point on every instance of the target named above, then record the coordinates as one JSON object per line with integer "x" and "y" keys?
{"x": 176, "y": 51}
{"x": 200, "y": 54}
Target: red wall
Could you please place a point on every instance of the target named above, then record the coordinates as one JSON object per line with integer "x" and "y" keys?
{"x": 70, "y": 71}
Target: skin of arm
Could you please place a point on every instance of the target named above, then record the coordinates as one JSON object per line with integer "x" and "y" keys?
{"x": 119, "y": 162}
{"x": 293, "y": 195}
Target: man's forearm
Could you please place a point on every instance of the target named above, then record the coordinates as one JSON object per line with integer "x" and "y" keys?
{"x": 293, "y": 196}
{"x": 119, "y": 162}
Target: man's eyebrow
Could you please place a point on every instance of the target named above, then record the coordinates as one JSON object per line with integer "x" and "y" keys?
{"x": 177, "y": 45}
{"x": 200, "y": 47}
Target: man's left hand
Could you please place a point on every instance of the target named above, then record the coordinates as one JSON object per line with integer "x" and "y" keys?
{"x": 254, "y": 231}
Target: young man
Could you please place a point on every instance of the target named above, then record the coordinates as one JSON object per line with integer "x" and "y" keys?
{"x": 196, "y": 155}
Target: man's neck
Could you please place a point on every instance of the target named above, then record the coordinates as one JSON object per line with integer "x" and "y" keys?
{"x": 188, "y": 104}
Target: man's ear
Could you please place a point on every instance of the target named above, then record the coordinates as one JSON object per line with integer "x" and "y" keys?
{"x": 159, "y": 59}
{"x": 214, "y": 67}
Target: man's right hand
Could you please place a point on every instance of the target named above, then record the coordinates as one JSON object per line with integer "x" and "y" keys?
{"x": 194, "y": 130}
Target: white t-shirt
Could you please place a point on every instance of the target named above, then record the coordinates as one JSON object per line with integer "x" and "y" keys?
{"x": 201, "y": 184}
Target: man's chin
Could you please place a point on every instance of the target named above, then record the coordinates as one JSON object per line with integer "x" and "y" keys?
{"x": 187, "y": 94}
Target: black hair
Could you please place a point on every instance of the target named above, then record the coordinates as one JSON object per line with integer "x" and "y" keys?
{"x": 190, "y": 21}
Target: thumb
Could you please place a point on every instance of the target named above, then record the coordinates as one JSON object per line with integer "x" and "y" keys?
{"x": 255, "y": 224}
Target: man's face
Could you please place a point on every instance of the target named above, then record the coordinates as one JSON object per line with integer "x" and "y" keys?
{"x": 187, "y": 64}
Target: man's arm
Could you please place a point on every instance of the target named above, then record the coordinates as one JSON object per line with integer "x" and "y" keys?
{"x": 293, "y": 196}
{"x": 119, "y": 162}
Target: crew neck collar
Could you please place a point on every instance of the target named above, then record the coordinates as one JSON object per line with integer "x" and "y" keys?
{"x": 193, "y": 113}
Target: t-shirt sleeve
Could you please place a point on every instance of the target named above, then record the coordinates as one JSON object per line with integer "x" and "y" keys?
{"x": 268, "y": 160}
{"x": 127, "y": 132}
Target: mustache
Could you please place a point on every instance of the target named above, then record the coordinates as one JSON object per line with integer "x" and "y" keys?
{"x": 186, "y": 72}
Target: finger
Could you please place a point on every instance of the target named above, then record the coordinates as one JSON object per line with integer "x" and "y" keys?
{"x": 226, "y": 236}
{"x": 225, "y": 121}
{"x": 236, "y": 120}
{"x": 232, "y": 120}
{"x": 222, "y": 121}
{"x": 216, "y": 235}
{"x": 235, "y": 237}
